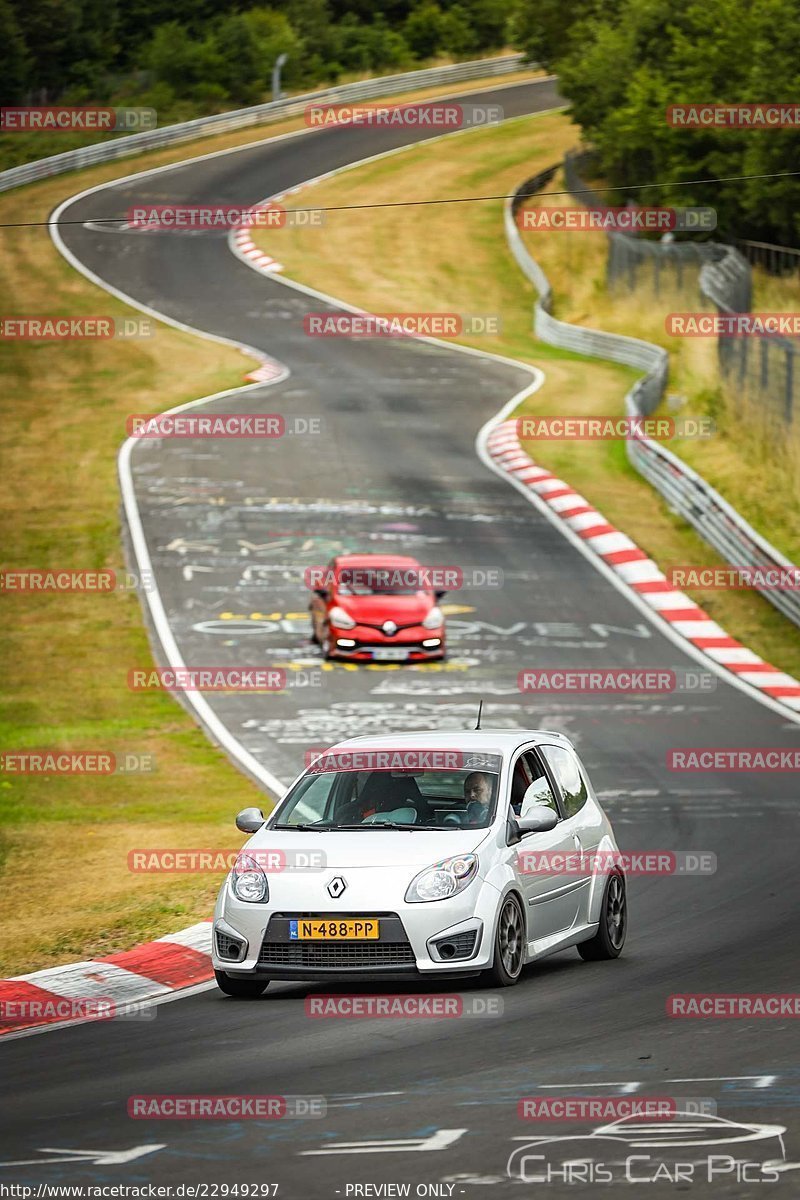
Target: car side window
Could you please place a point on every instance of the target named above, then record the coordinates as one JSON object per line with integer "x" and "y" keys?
{"x": 520, "y": 779}
{"x": 544, "y": 793}
{"x": 529, "y": 770}
{"x": 569, "y": 778}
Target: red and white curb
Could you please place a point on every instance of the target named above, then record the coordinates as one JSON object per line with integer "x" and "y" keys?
{"x": 244, "y": 247}
{"x": 268, "y": 372}
{"x": 637, "y": 571}
{"x": 102, "y": 988}
{"x": 242, "y": 244}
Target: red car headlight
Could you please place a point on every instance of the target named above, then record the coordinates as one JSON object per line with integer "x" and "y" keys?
{"x": 434, "y": 619}
{"x": 337, "y": 616}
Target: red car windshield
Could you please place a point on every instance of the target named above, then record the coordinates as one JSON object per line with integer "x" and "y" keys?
{"x": 389, "y": 580}
{"x": 388, "y": 589}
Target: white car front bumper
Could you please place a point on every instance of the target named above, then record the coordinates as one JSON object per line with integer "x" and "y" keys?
{"x": 415, "y": 939}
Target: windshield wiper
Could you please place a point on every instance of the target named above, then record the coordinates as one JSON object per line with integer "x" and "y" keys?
{"x": 332, "y": 826}
{"x": 308, "y": 825}
{"x": 388, "y": 825}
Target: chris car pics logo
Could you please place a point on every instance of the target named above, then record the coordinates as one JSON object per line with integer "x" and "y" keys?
{"x": 682, "y": 1148}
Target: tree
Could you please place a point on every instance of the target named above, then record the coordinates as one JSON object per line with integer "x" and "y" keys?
{"x": 488, "y": 21}
{"x": 542, "y": 28}
{"x": 239, "y": 68}
{"x": 424, "y": 29}
{"x": 181, "y": 61}
{"x": 622, "y": 66}
{"x": 15, "y": 61}
{"x": 272, "y": 35}
{"x": 458, "y": 36}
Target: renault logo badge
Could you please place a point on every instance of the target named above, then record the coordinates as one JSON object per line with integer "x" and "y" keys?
{"x": 389, "y": 628}
{"x": 336, "y": 887}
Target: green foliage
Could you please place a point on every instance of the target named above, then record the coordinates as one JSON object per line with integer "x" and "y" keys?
{"x": 542, "y": 28}
{"x": 424, "y": 29}
{"x": 621, "y": 65}
{"x": 210, "y": 54}
{"x": 15, "y": 64}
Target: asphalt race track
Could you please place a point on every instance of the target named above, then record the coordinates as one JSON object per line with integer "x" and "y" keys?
{"x": 230, "y": 526}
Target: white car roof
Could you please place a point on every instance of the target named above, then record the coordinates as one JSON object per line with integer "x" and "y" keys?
{"x": 503, "y": 741}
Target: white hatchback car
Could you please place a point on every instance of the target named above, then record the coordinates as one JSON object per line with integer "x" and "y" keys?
{"x": 423, "y": 855}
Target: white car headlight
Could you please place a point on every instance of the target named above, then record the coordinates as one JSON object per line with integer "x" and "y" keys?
{"x": 248, "y": 880}
{"x": 443, "y": 879}
{"x": 434, "y": 619}
{"x": 337, "y": 616}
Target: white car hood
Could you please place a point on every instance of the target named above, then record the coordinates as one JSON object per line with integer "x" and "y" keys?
{"x": 372, "y": 847}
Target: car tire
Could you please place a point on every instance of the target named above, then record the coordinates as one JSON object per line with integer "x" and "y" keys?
{"x": 509, "y": 944}
{"x": 610, "y": 936}
{"x": 242, "y": 989}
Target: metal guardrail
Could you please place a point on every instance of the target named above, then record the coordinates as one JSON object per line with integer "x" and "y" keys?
{"x": 259, "y": 114}
{"x": 686, "y": 492}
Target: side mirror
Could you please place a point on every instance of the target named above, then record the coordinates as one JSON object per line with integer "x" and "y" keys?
{"x": 439, "y": 595}
{"x": 538, "y": 819}
{"x": 249, "y": 820}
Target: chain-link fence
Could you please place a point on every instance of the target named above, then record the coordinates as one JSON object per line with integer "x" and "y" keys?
{"x": 761, "y": 373}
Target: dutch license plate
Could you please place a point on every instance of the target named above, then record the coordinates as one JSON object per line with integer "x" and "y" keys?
{"x": 390, "y": 654}
{"x": 334, "y": 930}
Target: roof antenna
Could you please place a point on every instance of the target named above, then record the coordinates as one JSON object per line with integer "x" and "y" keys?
{"x": 480, "y": 710}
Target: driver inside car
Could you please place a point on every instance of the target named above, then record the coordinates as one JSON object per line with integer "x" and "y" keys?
{"x": 478, "y": 795}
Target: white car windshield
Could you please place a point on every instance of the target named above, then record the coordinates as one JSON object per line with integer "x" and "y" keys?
{"x": 394, "y": 799}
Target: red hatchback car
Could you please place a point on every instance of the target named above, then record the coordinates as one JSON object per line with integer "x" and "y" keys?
{"x": 376, "y": 608}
